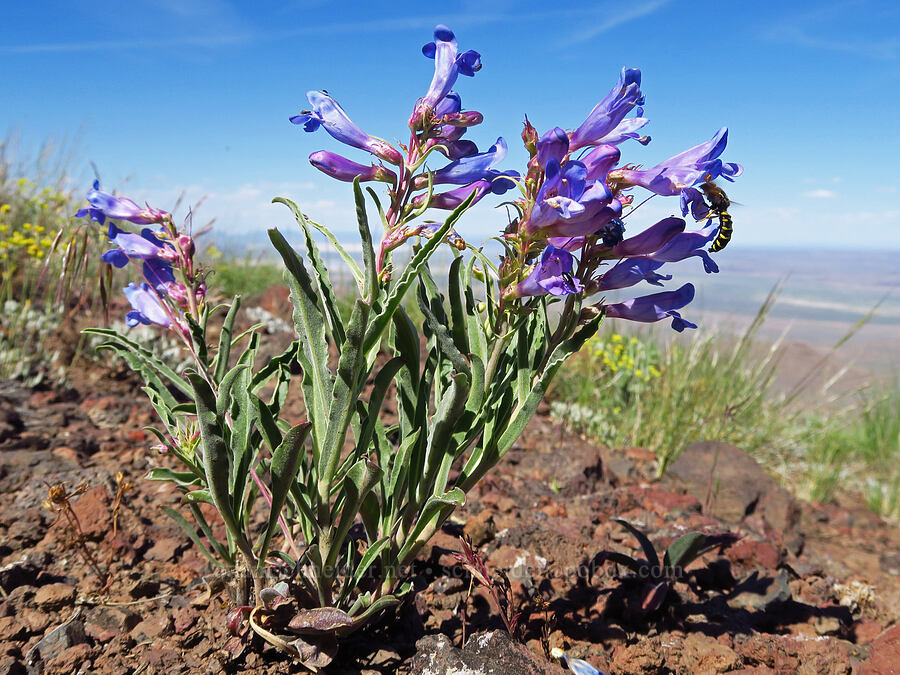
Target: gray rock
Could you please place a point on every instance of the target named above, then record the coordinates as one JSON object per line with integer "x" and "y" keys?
{"x": 493, "y": 653}
{"x": 758, "y": 594}
{"x": 737, "y": 485}
{"x": 55, "y": 642}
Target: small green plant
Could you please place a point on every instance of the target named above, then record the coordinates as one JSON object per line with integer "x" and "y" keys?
{"x": 351, "y": 495}
{"x": 659, "y": 576}
{"x": 857, "y": 452}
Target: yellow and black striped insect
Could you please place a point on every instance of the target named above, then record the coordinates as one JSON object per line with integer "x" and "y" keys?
{"x": 719, "y": 203}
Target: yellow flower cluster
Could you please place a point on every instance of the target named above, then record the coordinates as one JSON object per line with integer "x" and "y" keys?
{"x": 27, "y": 217}
{"x": 619, "y": 355}
{"x": 27, "y": 241}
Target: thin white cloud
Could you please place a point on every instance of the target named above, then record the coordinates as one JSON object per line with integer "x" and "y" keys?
{"x": 815, "y": 29}
{"x": 617, "y": 18}
{"x": 819, "y": 194}
{"x": 229, "y": 35}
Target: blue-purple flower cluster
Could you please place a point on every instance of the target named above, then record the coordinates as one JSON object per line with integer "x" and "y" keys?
{"x": 437, "y": 124}
{"x": 573, "y": 212}
{"x": 159, "y": 298}
{"x": 576, "y": 199}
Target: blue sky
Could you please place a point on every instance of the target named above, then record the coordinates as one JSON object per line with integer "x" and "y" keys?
{"x": 165, "y": 95}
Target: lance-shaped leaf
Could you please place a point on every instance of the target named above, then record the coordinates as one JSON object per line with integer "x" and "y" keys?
{"x": 688, "y": 547}
{"x": 457, "y": 305}
{"x": 319, "y": 620}
{"x": 435, "y": 510}
{"x": 370, "y": 280}
{"x": 438, "y": 326}
{"x": 216, "y": 459}
{"x": 445, "y": 420}
{"x": 143, "y": 361}
{"x": 404, "y": 340}
{"x": 369, "y": 557}
{"x": 495, "y": 447}
{"x": 189, "y": 530}
{"x": 341, "y": 251}
{"x": 323, "y": 280}
{"x": 310, "y": 327}
{"x": 180, "y": 478}
{"x": 344, "y": 393}
{"x": 282, "y": 471}
{"x": 225, "y": 339}
{"x": 382, "y": 381}
{"x": 646, "y": 545}
{"x": 358, "y": 482}
{"x": 400, "y": 464}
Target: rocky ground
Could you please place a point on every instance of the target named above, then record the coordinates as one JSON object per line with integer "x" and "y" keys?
{"x": 809, "y": 588}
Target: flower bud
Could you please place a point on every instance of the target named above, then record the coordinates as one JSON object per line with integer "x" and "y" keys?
{"x": 530, "y": 137}
{"x": 463, "y": 119}
{"x": 346, "y": 170}
{"x": 186, "y": 244}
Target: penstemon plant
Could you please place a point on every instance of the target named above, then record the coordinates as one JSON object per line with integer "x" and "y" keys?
{"x": 351, "y": 496}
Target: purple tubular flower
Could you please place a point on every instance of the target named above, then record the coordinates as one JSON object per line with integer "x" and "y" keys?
{"x": 159, "y": 274}
{"x": 626, "y": 129}
{"x": 503, "y": 181}
{"x": 578, "y": 666}
{"x": 451, "y": 199}
{"x": 551, "y": 275}
{"x": 451, "y": 103}
{"x": 328, "y": 113}
{"x": 142, "y": 246}
{"x": 688, "y": 245}
{"x": 560, "y": 195}
{"x": 694, "y": 165}
{"x": 656, "y": 307}
{"x": 603, "y": 120}
{"x": 346, "y": 170}
{"x": 147, "y": 308}
{"x": 650, "y": 240}
{"x": 458, "y": 149}
{"x": 600, "y": 161}
{"x": 448, "y": 64}
{"x": 631, "y": 271}
{"x": 599, "y": 208}
{"x": 104, "y": 205}
{"x": 472, "y": 168}
{"x": 552, "y": 145}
